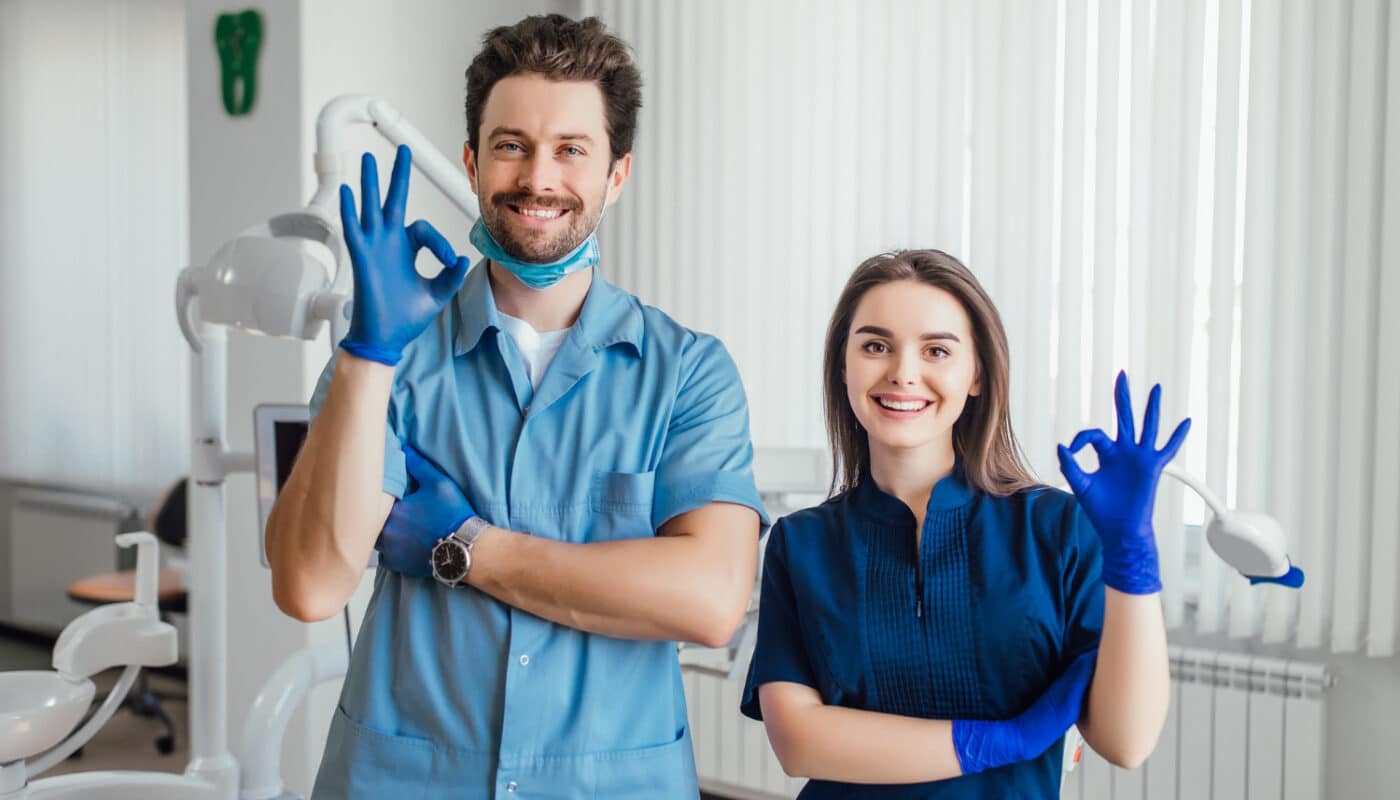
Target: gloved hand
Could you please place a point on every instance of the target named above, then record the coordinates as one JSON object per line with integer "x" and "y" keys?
{"x": 393, "y": 303}
{"x": 433, "y": 509}
{"x": 1118, "y": 497}
{"x": 985, "y": 744}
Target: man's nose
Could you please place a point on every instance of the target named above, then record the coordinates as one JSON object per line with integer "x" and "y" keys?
{"x": 540, "y": 175}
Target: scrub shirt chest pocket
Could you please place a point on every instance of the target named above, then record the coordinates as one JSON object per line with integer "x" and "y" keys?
{"x": 620, "y": 505}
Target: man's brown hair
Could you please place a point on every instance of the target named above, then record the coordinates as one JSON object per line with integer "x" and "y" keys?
{"x": 560, "y": 49}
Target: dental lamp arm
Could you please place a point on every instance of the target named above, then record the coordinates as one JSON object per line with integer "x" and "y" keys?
{"x": 333, "y": 159}
{"x": 339, "y": 115}
{"x": 1198, "y": 486}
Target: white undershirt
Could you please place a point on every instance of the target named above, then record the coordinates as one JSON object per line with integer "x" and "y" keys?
{"x": 537, "y": 349}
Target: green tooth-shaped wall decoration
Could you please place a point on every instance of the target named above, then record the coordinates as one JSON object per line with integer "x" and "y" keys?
{"x": 238, "y": 38}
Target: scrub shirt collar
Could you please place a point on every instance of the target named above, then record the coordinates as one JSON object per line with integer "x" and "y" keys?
{"x": 949, "y": 493}
{"x": 609, "y": 316}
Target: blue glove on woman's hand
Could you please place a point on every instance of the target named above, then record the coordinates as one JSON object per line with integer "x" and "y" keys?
{"x": 1118, "y": 497}
{"x": 433, "y": 509}
{"x": 985, "y": 744}
{"x": 393, "y": 303}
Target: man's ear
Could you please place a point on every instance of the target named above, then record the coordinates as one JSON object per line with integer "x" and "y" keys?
{"x": 618, "y": 174}
{"x": 469, "y": 161}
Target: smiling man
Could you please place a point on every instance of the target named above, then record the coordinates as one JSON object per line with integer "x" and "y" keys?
{"x": 563, "y": 487}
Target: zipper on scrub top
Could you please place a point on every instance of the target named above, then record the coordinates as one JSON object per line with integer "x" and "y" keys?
{"x": 919, "y": 577}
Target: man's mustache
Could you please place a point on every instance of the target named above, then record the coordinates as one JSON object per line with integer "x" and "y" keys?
{"x": 535, "y": 201}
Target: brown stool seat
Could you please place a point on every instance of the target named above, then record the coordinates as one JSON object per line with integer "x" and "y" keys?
{"x": 120, "y": 587}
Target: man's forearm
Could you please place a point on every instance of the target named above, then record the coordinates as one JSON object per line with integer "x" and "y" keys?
{"x": 685, "y": 587}
{"x": 324, "y": 523}
{"x": 1131, "y": 691}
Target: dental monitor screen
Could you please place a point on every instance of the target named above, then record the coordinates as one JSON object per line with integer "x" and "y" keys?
{"x": 278, "y": 434}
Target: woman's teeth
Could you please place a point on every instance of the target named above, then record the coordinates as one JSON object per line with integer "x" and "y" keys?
{"x": 902, "y": 405}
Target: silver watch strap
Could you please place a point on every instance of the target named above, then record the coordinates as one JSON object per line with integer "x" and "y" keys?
{"x": 470, "y": 530}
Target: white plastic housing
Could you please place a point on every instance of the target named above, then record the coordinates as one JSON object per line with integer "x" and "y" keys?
{"x": 1251, "y": 543}
{"x": 121, "y": 634}
{"x": 267, "y": 280}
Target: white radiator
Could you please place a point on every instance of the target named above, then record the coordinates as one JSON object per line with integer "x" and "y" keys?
{"x": 1240, "y": 727}
{"x": 732, "y": 756}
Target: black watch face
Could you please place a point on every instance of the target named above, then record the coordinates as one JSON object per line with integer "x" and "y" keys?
{"x": 450, "y": 561}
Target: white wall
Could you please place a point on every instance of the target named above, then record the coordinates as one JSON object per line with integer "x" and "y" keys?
{"x": 92, "y": 235}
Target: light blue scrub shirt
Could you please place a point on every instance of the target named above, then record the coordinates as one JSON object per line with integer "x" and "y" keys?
{"x": 451, "y": 693}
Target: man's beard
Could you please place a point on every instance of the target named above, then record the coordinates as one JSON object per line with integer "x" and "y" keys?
{"x": 538, "y": 248}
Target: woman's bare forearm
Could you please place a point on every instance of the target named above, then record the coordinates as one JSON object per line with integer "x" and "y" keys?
{"x": 835, "y": 743}
{"x": 1132, "y": 682}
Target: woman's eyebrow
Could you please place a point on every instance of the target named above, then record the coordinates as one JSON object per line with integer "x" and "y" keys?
{"x": 878, "y": 331}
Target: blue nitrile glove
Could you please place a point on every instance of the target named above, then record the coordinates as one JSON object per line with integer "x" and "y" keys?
{"x": 985, "y": 744}
{"x": 393, "y": 303}
{"x": 1118, "y": 497}
{"x": 433, "y": 509}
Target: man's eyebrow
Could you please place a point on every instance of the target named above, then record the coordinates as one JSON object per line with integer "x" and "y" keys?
{"x": 501, "y": 130}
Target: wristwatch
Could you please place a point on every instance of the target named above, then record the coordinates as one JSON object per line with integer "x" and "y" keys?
{"x": 452, "y": 555}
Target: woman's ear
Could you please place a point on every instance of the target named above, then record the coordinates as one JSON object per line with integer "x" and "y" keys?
{"x": 976, "y": 388}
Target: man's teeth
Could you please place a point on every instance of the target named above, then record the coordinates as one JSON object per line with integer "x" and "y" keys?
{"x": 902, "y": 405}
{"x": 541, "y": 213}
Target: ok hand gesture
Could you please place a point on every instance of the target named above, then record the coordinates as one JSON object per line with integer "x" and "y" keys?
{"x": 393, "y": 303}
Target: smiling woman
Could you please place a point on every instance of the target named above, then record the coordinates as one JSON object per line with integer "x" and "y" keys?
{"x": 992, "y": 613}
{"x": 951, "y": 351}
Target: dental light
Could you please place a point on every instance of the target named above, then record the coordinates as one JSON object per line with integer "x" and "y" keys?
{"x": 1250, "y": 542}
{"x": 290, "y": 275}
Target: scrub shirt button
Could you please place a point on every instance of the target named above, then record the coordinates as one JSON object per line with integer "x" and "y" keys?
{"x": 524, "y": 661}
{"x": 511, "y": 787}
{"x": 526, "y": 412}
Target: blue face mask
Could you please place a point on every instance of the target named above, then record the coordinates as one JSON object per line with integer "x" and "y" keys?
{"x": 536, "y": 276}
{"x": 540, "y": 276}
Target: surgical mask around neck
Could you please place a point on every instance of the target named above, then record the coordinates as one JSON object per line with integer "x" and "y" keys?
{"x": 541, "y": 276}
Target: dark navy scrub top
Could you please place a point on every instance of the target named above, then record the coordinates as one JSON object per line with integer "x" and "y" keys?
{"x": 1002, "y": 594}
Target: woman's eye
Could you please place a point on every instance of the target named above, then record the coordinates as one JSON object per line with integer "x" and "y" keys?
{"x": 875, "y": 347}
{"x": 938, "y": 352}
